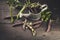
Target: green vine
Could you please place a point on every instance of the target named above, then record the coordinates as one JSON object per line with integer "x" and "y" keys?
{"x": 20, "y": 12}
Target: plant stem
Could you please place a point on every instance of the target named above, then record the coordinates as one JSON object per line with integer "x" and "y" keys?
{"x": 32, "y": 29}
{"x": 24, "y": 24}
{"x": 11, "y": 13}
{"x": 20, "y": 12}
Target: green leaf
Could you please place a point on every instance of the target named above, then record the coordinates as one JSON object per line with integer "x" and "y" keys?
{"x": 27, "y": 2}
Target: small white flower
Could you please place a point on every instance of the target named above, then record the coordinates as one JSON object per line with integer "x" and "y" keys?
{"x": 20, "y": 15}
{"x": 30, "y": 23}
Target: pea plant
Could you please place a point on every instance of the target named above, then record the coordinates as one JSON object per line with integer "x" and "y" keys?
{"x": 43, "y": 14}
